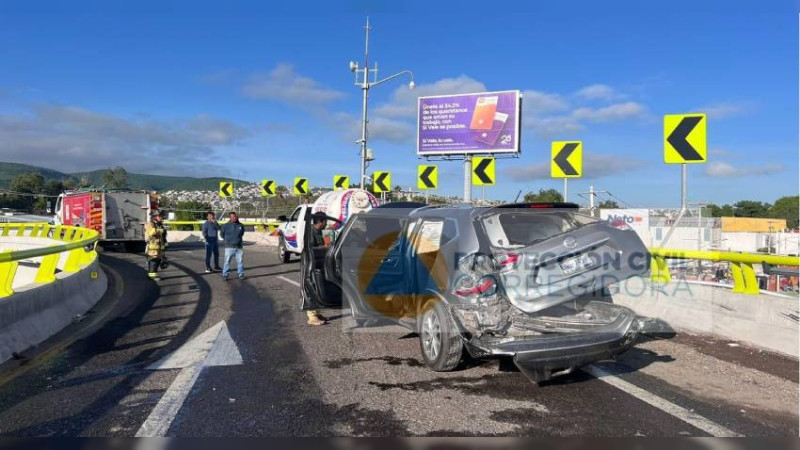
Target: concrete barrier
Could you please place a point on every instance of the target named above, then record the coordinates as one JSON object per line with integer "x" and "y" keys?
{"x": 36, "y": 312}
{"x": 768, "y": 320}
{"x": 251, "y": 237}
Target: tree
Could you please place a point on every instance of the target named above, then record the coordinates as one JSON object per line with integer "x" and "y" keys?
{"x": 53, "y": 187}
{"x": 115, "y": 178}
{"x": 608, "y": 204}
{"x": 544, "y": 195}
{"x": 718, "y": 211}
{"x": 786, "y": 208}
{"x": 750, "y": 208}
{"x": 26, "y": 185}
{"x": 191, "y": 210}
{"x": 69, "y": 183}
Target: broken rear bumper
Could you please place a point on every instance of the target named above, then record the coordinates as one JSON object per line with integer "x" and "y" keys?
{"x": 544, "y": 356}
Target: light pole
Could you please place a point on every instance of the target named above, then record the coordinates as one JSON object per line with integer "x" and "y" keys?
{"x": 365, "y": 86}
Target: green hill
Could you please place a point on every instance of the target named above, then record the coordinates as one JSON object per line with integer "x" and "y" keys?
{"x": 135, "y": 180}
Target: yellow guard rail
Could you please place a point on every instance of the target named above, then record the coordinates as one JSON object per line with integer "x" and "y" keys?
{"x": 78, "y": 242}
{"x": 741, "y": 264}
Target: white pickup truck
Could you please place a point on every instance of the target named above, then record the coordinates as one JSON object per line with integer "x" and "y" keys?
{"x": 340, "y": 204}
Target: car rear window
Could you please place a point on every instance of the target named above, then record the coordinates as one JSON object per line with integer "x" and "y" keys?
{"x": 521, "y": 228}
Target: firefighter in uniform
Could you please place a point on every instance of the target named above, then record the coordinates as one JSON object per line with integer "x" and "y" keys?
{"x": 156, "y": 237}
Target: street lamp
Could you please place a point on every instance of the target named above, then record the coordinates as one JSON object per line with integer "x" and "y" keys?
{"x": 365, "y": 86}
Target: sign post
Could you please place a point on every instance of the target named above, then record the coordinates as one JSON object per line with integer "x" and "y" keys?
{"x": 685, "y": 142}
{"x": 427, "y": 178}
{"x": 300, "y": 188}
{"x": 566, "y": 162}
{"x": 267, "y": 189}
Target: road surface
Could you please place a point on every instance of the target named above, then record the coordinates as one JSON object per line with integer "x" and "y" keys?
{"x": 275, "y": 376}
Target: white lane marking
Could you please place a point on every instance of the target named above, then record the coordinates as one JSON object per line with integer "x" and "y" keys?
{"x": 289, "y": 281}
{"x": 668, "y": 407}
{"x": 213, "y": 347}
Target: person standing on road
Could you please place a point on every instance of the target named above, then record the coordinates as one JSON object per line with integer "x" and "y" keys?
{"x": 232, "y": 234}
{"x": 318, "y": 223}
{"x": 211, "y": 236}
{"x": 156, "y": 237}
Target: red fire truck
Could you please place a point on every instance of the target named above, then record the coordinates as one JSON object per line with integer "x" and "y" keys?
{"x": 119, "y": 216}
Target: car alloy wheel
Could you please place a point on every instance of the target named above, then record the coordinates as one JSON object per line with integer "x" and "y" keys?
{"x": 431, "y": 335}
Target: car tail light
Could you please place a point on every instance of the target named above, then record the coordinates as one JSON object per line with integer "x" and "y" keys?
{"x": 470, "y": 287}
{"x": 507, "y": 261}
{"x": 620, "y": 224}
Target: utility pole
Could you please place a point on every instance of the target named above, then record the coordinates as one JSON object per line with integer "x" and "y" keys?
{"x": 364, "y": 84}
{"x": 467, "y": 179}
{"x": 591, "y": 195}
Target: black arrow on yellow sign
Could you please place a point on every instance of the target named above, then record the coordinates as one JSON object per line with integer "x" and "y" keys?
{"x": 268, "y": 187}
{"x": 300, "y": 186}
{"x": 341, "y": 182}
{"x": 563, "y": 155}
{"x": 380, "y": 181}
{"x": 677, "y": 139}
{"x": 225, "y": 189}
{"x": 425, "y": 177}
{"x": 480, "y": 171}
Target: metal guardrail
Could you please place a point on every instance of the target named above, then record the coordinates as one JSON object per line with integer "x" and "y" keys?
{"x": 79, "y": 243}
{"x": 268, "y": 226}
{"x": 741, "y": 265}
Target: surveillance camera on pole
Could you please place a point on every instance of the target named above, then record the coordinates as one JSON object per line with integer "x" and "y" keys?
{"x": 364, "y": 84}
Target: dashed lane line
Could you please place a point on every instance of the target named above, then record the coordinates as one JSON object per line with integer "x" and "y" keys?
{"x": 290, "y": 281}
{"x": 667, "y": 406}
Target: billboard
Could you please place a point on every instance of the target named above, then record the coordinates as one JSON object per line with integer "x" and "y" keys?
{"x": 483, "y": 123}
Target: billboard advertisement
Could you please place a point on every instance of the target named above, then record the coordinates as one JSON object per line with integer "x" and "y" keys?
{"x": 483, "y": 123}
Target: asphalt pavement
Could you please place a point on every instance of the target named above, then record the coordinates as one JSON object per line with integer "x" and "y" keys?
{"x": 275, "y": 376}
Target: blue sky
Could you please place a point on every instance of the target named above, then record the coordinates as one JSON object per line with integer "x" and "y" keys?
{"x": 248, "y": 90}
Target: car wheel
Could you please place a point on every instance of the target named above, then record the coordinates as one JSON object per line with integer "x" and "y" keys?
{"x": 439, "y": 340}
{"x": 282, "y": 253}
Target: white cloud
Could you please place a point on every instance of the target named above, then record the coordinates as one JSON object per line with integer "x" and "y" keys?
{"x": 285, "y": 85}
{"x": 537, "y": 102}
{"x": 597, "y": 92}
{"x": 546, "y": 127}
{"x": 80, "y": 139}
{"x": 403, "y": 101}
{"x": 720, "y": 169}
{"x": 594, "y": 166}
{"x": 724, "y": 110}
{"x": 617, "y": 111}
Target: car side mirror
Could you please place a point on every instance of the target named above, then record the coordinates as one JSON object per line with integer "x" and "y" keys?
{"x": 282, "y": 218}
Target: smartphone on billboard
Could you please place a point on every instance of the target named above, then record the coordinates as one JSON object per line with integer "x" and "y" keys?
{"x": 483, "y": 115}
{"x": 490, "y": 136}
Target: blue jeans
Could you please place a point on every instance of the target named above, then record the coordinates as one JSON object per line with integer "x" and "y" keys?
{"x": 212, "y": 249}
{"x": 226, "y": 267}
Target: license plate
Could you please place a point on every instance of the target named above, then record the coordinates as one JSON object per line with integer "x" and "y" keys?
{"x": 576, "y": 264}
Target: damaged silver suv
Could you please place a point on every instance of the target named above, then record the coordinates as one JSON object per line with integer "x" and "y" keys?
{"x": 525, "y": 281}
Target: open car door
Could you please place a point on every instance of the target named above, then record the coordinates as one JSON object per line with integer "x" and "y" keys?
{"x": 368, "y": 264}
{"x": 318, "y": 291}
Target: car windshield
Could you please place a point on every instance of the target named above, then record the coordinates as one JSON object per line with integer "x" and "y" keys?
{"x": 524, "y": 227}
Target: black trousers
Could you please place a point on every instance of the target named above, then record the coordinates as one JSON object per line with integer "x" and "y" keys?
{"x": 153, "y": 264}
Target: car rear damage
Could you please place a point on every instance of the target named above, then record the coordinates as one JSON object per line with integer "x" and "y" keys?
{"x": 543, "y": 304}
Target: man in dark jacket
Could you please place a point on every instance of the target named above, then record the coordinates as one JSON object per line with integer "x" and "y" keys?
{"x": 317, "y": 241}
{"x": 232, "y": 234}
{"x": 211, "y": 236}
